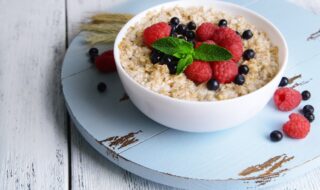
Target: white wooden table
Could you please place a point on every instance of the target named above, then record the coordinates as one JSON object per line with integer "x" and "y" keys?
{"x": 39, "y": 147}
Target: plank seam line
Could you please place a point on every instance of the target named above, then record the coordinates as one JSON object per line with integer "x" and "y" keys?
{"x": 76, "y": 73}
{"x": 149, "y": 138}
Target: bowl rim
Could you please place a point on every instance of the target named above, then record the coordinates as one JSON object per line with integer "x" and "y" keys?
{"x": 134, "y": 20}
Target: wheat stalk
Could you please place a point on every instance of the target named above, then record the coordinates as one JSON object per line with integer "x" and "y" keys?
{"x": 96, "y": 38}
{"x": 111, "y": 17}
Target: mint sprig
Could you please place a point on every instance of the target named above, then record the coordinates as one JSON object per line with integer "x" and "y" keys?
{"x": 186, "y": 53}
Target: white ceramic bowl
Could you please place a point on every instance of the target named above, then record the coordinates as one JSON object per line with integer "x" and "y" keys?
{"x": 197, "y": 116}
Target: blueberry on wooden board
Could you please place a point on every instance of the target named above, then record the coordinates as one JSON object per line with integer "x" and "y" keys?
{"x": 93, "y": 52}
{"x": 306, "y": 95}
{"x": 284, "y": 82}
{"x": 276, "y": 136}
{"x": 102, "y": 87}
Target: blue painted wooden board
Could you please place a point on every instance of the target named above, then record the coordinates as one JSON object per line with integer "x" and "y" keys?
{"x": 197, "y": 161}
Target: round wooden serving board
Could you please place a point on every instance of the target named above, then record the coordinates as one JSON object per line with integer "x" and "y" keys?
{"x": 238, "y": 158}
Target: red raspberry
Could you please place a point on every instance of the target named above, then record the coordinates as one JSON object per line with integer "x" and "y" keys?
{"x": 224, "y": 71}
{"x": 156, "y": 32}
{"x": 228, "y": 38}
{"x": 199, "y": 72}
{"x": 297, "y": 127}
{"x": 205, "y": 31}
{"x": 286, "y": 99}
{"x": 198, "y": 44}
{"x": 105, "y": 62}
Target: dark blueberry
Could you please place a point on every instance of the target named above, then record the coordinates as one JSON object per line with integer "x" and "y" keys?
{"x": 284, "y": 82}
{"x": 213, "y": 84}
{"x": 309, "y": 116}
{"x": 191, "y": 25}
{"x": 248, "y": 54}
{"x": 223, "y": 23}
{"x": 173, "y": 30}
{"x": 181, "y": 29}
{"x": 243, "y": 69}
{"x": 93, "y": 52}
{"x": 166, "y": 59}
{"x": 307, "y": 109}
{"x": 238, "y": 33}
{"x": 276, "y": 136}
{"x": 190, "y": 34}
{"x": 239, "y": 80}
{"x": 174, "y": 21}
{"x": 306, "y": 95}
{"x": 102, "y": 87}
{"x": 247, "y": 35}
{"x": 155, "y": 56}
{"x": 172, "y": 66}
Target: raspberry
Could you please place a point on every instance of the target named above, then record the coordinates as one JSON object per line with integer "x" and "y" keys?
{"x": 228, "y": 38}
{"x": 198, "y": 44}
{"x": 205, "y": 31}
{"x": 105, "y": 62}
{"x": 156, "y": 32}
{"x": 224, "y": 71}
{"x": 297, "y": 127}
{"x": 286, "y": 99}
{"x": 199, "y": 72}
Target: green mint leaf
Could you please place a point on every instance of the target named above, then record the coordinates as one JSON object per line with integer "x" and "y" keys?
{"x": 207, "y": 52}
{"x": 183, "y": 63}
{"x": 173, "y": 46}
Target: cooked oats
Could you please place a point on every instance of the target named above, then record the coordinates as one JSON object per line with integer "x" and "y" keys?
{"x": 135, "y": 57}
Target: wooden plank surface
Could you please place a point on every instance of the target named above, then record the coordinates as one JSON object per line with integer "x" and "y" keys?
{"x": 33, "y": 137}
{"x": 92, "y": 171}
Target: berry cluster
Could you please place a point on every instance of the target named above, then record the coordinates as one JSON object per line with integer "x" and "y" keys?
{"x": 105, "y": 63}
{"x": 213, "y": 73}
{"x": 287, "y": 99}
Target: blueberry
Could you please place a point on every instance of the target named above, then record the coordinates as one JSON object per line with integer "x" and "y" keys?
{"x": 93, "y": 52}
{"x": 248, "y": 54}
{"x": 172, "y": 66}
{"x": 191, "y": 25}
{"x": 181, "y": 29}
{"x": 276, "y": 136}
{"x": 244, "y": 69}
{"x": 173, "y": 30}
{"x": 309, "y": 116}
{"x": 174, "y": 21}
{"x": 306, "y": 95}
{"x": 308, "y": 109}
{"x": 284, "y": 82}
{"x": 213, "y": 84}
{"x": 155, "y": 56}
{"x": 190, "y": 34}
{"x": 247, "y": 34}
{"x": 223, "y": 23}
{"x": 102, "y": 87}
{"x": 239, "y": 80}
{"x": 238, "y": 33}
{"x": 166, "y": 59}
